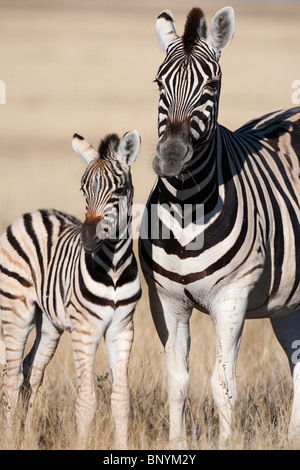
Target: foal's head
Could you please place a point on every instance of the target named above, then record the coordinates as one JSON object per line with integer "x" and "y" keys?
{"x": 107, "y": 186}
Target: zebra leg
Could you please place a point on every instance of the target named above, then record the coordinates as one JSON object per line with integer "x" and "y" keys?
{"x": 229, "y": 322}
{"x": 172, "y": 323}
{"x": 17, "y": 322}
{"x": 287, "y": 331}
{"x": 119, "y": 343}
{"x": 84, "y": 343}
{"x": 47, "y": 337}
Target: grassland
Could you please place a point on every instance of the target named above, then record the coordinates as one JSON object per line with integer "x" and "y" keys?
{"x": 88, "y": 67}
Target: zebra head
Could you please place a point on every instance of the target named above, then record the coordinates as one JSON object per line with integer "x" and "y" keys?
{"x": 189, "y": 82}
{"x": 107, "y": 187}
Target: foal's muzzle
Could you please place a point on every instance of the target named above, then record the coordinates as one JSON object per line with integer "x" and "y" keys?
{"x": 89, "y": 236}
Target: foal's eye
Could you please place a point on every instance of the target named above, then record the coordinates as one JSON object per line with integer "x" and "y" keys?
{"x": 119, "y": 191}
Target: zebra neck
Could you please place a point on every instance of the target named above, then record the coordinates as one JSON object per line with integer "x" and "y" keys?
{"x": 113, "y": 253}
{"x": 198, "y": 183}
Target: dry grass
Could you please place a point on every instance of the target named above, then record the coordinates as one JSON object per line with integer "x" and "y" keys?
{"x": 262, "y": 411}
{"x": 88, "y": 68}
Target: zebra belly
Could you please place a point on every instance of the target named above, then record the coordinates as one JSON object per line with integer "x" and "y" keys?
{"x": 265, "y": 303}
{"x": 253, "y": 283}
{"x": 201, "y": 295}
{"x": 101, "y": 307}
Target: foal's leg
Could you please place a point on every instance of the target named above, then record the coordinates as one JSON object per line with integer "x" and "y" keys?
{"x": 287, "y": 330}
{"x": 85, "y": 340}
{"x": 47, "y": 337}
{"x": 119, "y": 342}
{"x": 17, "y": 321}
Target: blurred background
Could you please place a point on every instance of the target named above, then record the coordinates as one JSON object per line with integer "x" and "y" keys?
{"x": 88, "y": 66}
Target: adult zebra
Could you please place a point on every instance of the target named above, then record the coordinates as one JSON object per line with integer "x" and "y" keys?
{"x": 242, "y": 257}
{"x": 59, "y": 274}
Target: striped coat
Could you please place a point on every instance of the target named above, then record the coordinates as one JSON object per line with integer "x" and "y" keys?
{"x": 58, "y": 274}
{"x": 221, "y": 230}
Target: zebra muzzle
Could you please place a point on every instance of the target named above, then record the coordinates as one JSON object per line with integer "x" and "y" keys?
{"x": 171, "y": 156}
{"x": 90, "y": 240}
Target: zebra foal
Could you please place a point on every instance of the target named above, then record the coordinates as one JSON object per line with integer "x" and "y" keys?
{"x": 59, "y": 274}
{"x": 240, "y": 256}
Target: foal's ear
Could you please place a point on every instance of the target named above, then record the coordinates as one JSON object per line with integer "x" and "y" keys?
{"x": 84, "y": 149}
{"x": 129, "y": 147}
{"x": 221, "y": 29}
{"x": 166, "y": 29}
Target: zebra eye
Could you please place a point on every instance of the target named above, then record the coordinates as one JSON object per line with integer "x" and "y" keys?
{"x": 159, "y": 83}
{"x": 119, "y": 191}
{"x": 212, "y": 84}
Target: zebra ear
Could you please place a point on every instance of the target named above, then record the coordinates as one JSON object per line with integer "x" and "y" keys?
{"x": 222, "y": 29}
{"x": 85, "y": 150}
{"x": 166, "y": 29}
{"x": 129, "y": 147}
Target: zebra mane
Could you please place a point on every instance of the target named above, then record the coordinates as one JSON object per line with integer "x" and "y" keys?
{"x": 108, "y": 146}
{"x": 195, "y": 28}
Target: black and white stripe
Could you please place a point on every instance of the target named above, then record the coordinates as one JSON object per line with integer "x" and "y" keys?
{"x": 247, "y": 259}
{"x": 59, "y": 274}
